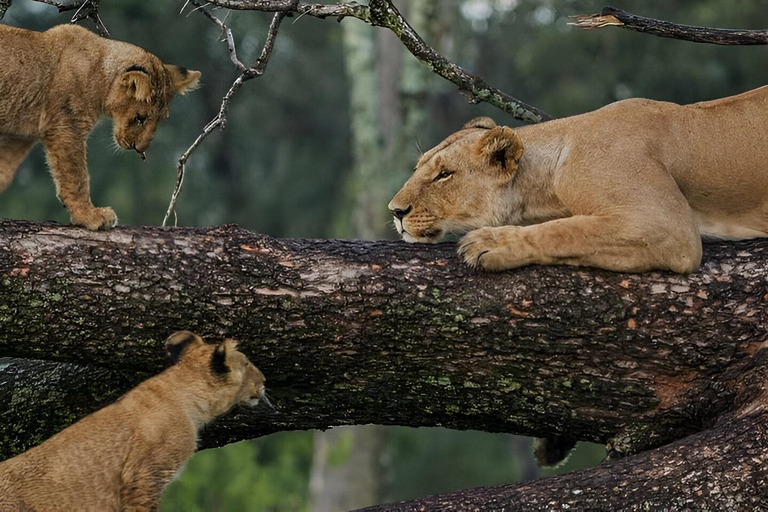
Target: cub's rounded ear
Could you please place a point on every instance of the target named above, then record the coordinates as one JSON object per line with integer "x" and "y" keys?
{"x": 181, "y": 343}
{"x": 485, "y": 123}
{"x": 501, "y": 148}
{"x": 183, "y": 79}
{"x": 219, "y": 364}
{"x": 137, "y": 83}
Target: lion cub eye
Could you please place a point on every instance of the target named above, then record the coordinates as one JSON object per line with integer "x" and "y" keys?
{"x": 139, "y": 119}
{"x": 444, "y": 175}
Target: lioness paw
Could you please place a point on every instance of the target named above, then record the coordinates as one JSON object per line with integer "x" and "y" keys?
{"x": 95, "y": 219}
{"x": 490, "y": 249}
{"x": 476, "y": 246}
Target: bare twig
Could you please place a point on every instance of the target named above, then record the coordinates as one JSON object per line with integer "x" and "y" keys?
{"x": 220, "y": 121}
{"x": 83, "y": 9}
{"x": 382, "y": 13}
{"x": 612, "y": 17}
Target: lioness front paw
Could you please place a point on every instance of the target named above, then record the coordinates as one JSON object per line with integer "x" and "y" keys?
{"x": 94, "y": 218}
{"x": 489, "y": 249}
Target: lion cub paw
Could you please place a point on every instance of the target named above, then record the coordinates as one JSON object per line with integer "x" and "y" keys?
{"x": 487, "y": 248}
{"x": 94, "y": 218}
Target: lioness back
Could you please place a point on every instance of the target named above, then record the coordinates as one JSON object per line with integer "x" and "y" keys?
{"x": 55, "y": 85}
{"x": 122, "y": 456}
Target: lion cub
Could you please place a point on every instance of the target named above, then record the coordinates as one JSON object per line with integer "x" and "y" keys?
{"x": 630, "y": 187}
{"x": 55, "y": 85}
{"x": 122, "y": 456}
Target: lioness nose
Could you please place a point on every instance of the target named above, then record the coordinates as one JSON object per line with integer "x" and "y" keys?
{"x": 400, "y": 213}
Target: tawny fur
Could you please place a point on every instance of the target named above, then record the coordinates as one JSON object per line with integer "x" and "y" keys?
{"x": 54, "y": 87}
{"x": 121, "y": 457}
{"x": 630, "y": 187}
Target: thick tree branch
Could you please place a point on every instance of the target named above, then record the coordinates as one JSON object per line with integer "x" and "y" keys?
{"x": 354, "y": 332}
{"x": 724, "y": 468}
{"x": 612, "y": 17}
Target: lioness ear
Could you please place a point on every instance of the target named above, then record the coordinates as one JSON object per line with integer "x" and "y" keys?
{"x": 183, "y": 79}
{"x": 501, "y": 148}
{"x": 137, "y": 83}
{"x": 180, "y": 343}
{"x": 219, "y": 364}
{"x": 480, "y": 122}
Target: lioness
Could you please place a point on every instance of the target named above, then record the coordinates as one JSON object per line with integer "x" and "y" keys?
{"x": 123, "y": 456}
{"x": 55, "y": 85}
{"x": 629, "y": 187}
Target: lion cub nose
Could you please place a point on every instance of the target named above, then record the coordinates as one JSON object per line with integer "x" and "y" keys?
{"x": 400, "y": 213}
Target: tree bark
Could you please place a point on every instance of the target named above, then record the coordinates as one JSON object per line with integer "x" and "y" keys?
{"x": 613, "y": 17}
{"x": 352, "y": 332}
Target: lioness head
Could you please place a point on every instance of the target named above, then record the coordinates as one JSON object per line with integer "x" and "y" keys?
{"x": 232, "y": 378}
{"x": 139, "y": 97}
{"x": 459, "y": 184}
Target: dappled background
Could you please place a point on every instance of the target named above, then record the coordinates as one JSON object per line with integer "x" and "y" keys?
{"x": 318, "y": 145}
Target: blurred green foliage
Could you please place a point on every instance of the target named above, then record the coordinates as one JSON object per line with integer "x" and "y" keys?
{"x": 281, "y": 168}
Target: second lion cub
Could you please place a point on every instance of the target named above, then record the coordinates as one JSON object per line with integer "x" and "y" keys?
{"x": 55, "y": 85}
{"x": 122, "y": 456}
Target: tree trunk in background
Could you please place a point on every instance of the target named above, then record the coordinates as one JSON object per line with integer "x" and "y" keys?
{"x": 347, "y": 470}
{"x": 383, "y": 129}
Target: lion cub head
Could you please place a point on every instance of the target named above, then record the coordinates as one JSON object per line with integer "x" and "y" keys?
{"x": 139, "y": 97}
{"x": 459, "y": 184}
{"x": 231, "y": 378}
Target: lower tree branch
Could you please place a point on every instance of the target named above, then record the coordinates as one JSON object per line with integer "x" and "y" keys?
{"x": 724, "y": 468}
{"x": 613, "y": 17}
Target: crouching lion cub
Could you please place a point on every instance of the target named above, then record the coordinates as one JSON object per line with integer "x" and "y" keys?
{"x": 629, "y": 187}
{"x": 123, "y": 456}
{"x": 55, "y": 85}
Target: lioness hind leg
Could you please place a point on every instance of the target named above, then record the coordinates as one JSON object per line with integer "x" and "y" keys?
{"x": 12, "y": 153}
{"x": 612, "y": 243}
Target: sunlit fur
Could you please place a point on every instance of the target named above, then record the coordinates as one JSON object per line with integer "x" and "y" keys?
{"x": 629, "y": 187}
{"x": 123, "y": 456}
{"x": 54, "y": 87}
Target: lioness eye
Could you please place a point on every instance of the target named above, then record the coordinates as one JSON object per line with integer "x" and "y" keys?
{"x": 443, "y": 175}
{"x": 139, "y": 119}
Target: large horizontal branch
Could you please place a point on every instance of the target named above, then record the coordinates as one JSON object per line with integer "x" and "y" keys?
{"x": 613, "y": 17}
{"x": 382, "y": 13}
{"x": 351, "y": 332}
{"x": 725, "y": 468}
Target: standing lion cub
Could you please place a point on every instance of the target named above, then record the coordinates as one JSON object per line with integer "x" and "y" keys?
{"x": 629, "y": 187}
{"x": 122, "y": 457}
{"x": 55, "y": 85}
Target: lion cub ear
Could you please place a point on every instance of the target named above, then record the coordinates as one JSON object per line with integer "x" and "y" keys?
{"x": 485, "y": 123}
{"x": 219, "y": 364}
{"x": 181, "y": 343}
{"x": 502, "y": 149}
{"x": 137, "y": 83}
{"x": 183, "y": 79}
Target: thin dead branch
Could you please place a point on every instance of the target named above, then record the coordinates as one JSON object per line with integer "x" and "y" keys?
{"x": 612, "y": 17}
{"x": 220, "y": 121}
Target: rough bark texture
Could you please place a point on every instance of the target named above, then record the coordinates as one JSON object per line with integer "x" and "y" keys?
{"x": 613, "y": 17}
{"x": 725, "y": 468}
{"x": 352, "y": 332}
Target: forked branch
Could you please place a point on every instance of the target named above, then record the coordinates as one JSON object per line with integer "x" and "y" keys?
{"x": 220, "y": 121}
{"x": 613, "y": 17}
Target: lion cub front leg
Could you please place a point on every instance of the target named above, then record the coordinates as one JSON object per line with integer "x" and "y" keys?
{"x": 66, "y": 155}
{"x": 612, "y": 243}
